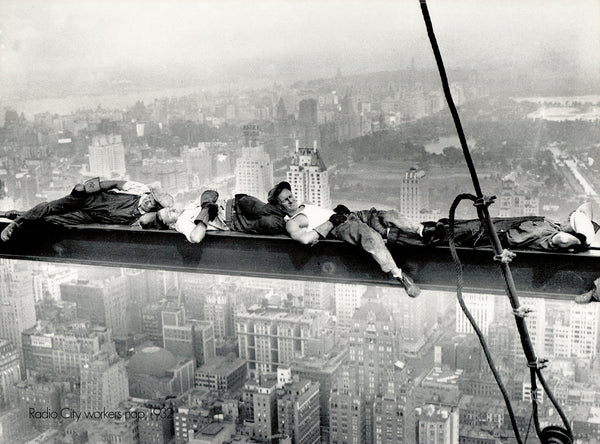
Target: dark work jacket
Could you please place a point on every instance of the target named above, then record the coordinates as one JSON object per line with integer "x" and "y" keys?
{"x": 248, "y": 214}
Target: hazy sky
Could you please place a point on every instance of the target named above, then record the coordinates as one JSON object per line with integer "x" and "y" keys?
{"x": 42, "y": 38}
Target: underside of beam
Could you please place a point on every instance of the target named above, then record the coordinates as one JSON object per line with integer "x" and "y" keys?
{"x": 539, "y": 274}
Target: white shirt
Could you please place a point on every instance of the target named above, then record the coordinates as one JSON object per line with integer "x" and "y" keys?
{"x": 314, "y": 214}
{"x": 186, "y": 221}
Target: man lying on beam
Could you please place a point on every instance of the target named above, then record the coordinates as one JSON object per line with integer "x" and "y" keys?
{"x": 243, "y": 213}
{"x": 93, "y": 202}
{"x": 308, "y": 224}
{"x": 575, "y": 233}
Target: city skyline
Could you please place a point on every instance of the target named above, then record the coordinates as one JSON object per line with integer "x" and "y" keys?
{"x": 98, "y": 47}
{"x": 342, "y": 100}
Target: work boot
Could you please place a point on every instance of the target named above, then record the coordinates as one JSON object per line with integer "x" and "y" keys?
{"x": 9, "y": 231}
{"x": 411, "y": 288}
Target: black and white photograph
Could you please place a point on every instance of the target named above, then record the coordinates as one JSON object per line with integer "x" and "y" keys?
{"x": 299, "y": 222}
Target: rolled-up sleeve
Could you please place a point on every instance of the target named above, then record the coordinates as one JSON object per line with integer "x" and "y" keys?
{"x": 185, "y": 222}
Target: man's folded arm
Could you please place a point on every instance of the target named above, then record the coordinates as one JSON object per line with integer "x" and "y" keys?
{"x": 302, "y": 235}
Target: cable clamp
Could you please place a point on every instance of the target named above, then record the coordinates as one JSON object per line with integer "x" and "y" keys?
{"x": 484, "y": 201}
{"x": 522, "y": 311}
{"x": 505, "y": 257}
{"x": 534, "y": 396}
{"x": 538, "y": 364}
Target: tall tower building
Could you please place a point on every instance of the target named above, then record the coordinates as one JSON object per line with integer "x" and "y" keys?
{"x": 308, "y": 123}
{"x": 103, "y": 383}
{"x": 373, "y": 350}
{"x": 220, "y": 302}
{"x": 481, "y": 307}
{"x": 189, "y": 338}
{"x": 264, "y": 404}
{"x": 309, "y": 177}
{"x": 414, "y": 195}
{"x": 107, "y": 156}
{"x": 17, "y": 307}
{"x": 253, "y": 169}
{"x": 347, "y": 416}
{"x": 10, "y": 370}
{"x": 388, "y": 420}
{"x": 102, "y": 302}
{"x": 372, "y": 354}
{"x": 347, "y": 299}
{"x": 269, "y": 337}
{"x": 298, "y": 412}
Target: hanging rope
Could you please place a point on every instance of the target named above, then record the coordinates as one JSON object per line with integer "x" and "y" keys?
{"x": 482, "y": 203}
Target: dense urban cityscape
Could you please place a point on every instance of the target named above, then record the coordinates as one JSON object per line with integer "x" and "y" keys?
{"x": 145, "y": 356}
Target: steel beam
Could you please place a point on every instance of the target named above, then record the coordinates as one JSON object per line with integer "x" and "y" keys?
{"x": 539, "y": 274}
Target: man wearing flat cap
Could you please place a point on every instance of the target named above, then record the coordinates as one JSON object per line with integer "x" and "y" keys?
{"x": 94, "y": 202}
{"x": 308, "y": 224}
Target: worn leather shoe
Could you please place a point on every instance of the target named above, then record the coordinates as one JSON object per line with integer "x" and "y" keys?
{"x": 411, "y": 288}
{"x": 8, "y": 231}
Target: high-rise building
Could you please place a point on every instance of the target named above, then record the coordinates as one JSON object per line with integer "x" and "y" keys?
{"x": 46, "y": 283}
{"x": 298, "y": 412}
{"x": 17, "y": 306}
{"x": 253, "y": 169}
{"x": 190, "y": 338}
{"x": 388, "y": 420}
{"x": 583, "y": 330}
{"x": 373, "y": 350}
{"x": 318, "y": 295}
{"x": 325, "y": 372}
{"x": 152, "y": 320}
{"x": 269, "y": 337}
{"x": 103, "y": 383}
{"x": 10, "y": 370}
{"x": 437, "y": 424}
{"x": 62, "y": 349}
{"x": 481, "y": 307}
{"x": 198, "y": 164}
{"x": 347, "y": 299}
{"x": 282, "y": 130}
{"x": 265, "y": 411}
{"x": 347, "y": 415}
{"x": 308, "y": 123}
{"x": 309, "y": 177}
{"x": 221, "y": 374}
{"x": 414, "y": 195}
{"x": 102, "y": 302}
{"x": 516, "y": 202}
{"x": 372, "y": 356}
{"x": 219, "y": 310}
{"x": 413, "y": 322}
{"x": 107, "y": 156}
